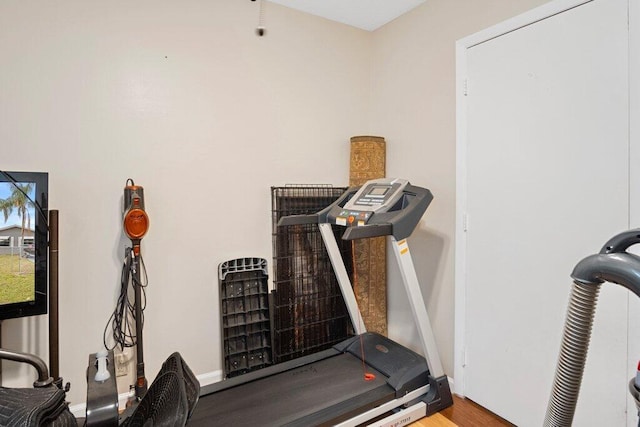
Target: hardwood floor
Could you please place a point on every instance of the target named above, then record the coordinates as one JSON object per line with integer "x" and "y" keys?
{"x": 463, "y": 413}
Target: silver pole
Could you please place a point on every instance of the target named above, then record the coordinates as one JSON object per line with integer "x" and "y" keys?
{"x": 418, "y": 306}
{"x": 343, "y": 278}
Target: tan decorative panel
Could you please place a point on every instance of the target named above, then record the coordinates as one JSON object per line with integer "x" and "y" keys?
{"x": 368, "y": 159}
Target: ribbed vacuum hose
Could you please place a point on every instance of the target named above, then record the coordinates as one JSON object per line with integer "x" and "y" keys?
{"x": 573, "y": 353}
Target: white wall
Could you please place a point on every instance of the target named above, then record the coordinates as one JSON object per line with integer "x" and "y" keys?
{"x": 184, "y": 98}
{"x": 414, "y": 109}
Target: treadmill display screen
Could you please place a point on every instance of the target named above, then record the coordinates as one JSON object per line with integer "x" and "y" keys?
{"x": 374, "y": 196}
{"x": 378, "y": 191}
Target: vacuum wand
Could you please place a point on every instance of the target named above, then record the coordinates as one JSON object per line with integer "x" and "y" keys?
{"x": 136, "y": 224}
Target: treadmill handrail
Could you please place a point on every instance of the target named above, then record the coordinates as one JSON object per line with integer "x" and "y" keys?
{"x": 298, "y": 220}
{"x": 367, "y": 231}
{"x": 405, "y": 215}
{"x": 319, "y": 217}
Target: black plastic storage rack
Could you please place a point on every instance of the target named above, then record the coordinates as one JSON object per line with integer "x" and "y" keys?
{"x": 246, "y": 329}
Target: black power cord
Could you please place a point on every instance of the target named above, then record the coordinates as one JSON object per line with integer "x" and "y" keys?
{"x": 123, "y": 318}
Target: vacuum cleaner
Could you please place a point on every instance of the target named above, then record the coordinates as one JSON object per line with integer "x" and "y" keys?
{"x": 612, "y": 264}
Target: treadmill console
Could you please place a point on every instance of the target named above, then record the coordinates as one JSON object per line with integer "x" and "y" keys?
{"x": 378, "y": 195}
{"x": 380, "y": 207}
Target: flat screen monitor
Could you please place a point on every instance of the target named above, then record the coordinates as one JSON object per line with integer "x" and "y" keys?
{"x": 23, "y": 243}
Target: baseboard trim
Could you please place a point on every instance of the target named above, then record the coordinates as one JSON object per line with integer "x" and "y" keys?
{"x": 210, "y": 377}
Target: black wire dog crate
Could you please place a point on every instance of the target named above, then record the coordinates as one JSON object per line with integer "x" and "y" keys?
{"x": 308, "y": 312}
{"x": 246, "y": 330}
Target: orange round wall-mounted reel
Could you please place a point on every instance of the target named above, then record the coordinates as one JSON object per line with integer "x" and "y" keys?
{"x": 136, "y": 220}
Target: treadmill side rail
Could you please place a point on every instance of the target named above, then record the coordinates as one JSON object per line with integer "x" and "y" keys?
{"x": 403, "y": 417}
{"x": 406, "y": 400}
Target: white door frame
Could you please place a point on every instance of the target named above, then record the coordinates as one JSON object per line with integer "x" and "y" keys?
{"x": 634, "y": 182}
{"x": 523, "y": 20}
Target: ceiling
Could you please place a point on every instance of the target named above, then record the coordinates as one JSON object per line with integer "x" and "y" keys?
{"x": 364, "y": 14}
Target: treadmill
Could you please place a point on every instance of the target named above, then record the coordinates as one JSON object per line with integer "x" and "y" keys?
{"x": 329, "y": 387}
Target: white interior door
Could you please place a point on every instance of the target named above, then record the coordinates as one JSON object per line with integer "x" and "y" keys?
{"x": 546, "y": 184}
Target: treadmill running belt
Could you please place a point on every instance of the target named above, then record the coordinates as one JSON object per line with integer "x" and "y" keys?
{"x": 312, "y": 394}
